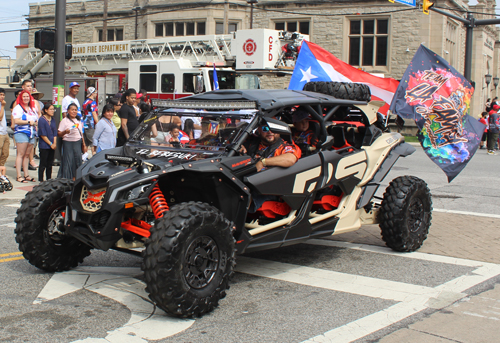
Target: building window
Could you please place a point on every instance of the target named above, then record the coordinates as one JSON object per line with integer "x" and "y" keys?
{"x": 112, "y": 35}
{"x": 293, "y": 26}
{"x": 219, "y": 28}
{"x": 451, "y": 42}
{"x": 368, "y": 42}
{"x": 179, "y": 28}
{"x": 69, "y": 36}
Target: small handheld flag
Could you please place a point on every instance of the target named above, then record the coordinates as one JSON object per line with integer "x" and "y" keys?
{"x": 216, "y": 80}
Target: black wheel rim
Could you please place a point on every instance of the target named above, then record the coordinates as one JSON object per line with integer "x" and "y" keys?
{"x": 416, "y": 214}
{"x": 201, "y": 262}
{"x": 54, "y": 235}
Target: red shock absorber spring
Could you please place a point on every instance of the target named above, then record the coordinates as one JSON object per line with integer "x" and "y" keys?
{"x": 158, "y": 202}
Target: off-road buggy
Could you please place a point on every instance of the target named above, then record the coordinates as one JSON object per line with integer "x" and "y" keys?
{"x": 185, "y": 203}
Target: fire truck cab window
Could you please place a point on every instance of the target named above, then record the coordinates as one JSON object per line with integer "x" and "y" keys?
{"x": 188, "y": 82}
{"x": 147, "y": 78}
{"x": 167, "y": 83}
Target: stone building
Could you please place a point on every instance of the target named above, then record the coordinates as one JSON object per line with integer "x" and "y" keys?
{"x": 375, "y": 35}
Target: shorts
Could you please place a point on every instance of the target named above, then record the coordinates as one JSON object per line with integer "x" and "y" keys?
{"x": 23, "y": 138}
{"x": 88, "y": 135}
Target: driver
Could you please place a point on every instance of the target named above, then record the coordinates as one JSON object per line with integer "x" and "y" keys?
{"x": 271, "y": 150}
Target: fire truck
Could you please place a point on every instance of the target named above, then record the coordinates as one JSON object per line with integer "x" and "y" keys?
{"x": 168, "y": 68}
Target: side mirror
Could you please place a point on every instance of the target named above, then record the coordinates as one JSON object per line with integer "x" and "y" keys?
{"x": 198, "y": 84}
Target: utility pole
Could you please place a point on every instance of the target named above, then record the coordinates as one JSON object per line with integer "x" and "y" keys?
{"x": 136, "y": 9}
{"x": 59, "y": 57}
{"x": 251, "y": 2}
{"x": 226, "y": 10}
{"x": 105, "y": 22}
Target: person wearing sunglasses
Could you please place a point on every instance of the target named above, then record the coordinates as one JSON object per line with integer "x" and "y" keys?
{"x": 272, "y": 150}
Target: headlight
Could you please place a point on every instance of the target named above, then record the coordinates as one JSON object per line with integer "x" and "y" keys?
{"x": 136, "y": 192}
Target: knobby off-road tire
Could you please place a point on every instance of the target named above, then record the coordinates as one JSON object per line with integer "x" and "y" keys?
{"x": 340, "y": 90}
{"x": 189, "y": 259}
{"x": 40, "y": 228}
{"x": 405, "y": 215}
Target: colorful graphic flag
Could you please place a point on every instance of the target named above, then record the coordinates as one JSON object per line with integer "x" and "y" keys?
{"x": 316, "y": 64}
{"x": 216, "y": 80}
{"x": 438, "y": 98}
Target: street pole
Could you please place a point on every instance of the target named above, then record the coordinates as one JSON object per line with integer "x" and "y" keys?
{"x": 58, "y": 80}
{"x": 468, "y": 47}
{"x": 105, "y": 22}
{"x": 136, "y": 9}
{"x": 251, "y": 2}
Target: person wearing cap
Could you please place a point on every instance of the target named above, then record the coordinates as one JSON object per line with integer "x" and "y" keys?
{"x": 89, "y": 118}
{"x": 74, "y": 88}
{"x": 302, "y": 136}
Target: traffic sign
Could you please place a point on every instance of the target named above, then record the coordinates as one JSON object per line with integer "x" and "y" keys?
{"x": 406, "y": 2}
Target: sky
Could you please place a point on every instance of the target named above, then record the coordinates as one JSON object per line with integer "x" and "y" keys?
{"x": 13, "y": 18}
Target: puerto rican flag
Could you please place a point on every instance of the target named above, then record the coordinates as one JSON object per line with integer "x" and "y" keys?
{"x": 183, "y": 137}
{"x": 316, "y": 64}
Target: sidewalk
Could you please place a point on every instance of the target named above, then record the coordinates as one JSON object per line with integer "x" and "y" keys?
{"x": 20, "y": 189}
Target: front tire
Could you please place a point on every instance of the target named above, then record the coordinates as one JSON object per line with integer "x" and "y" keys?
{"x": 40, "y": 228}
{"x": 405, "y": 214}
{"x": 189, "y": 259}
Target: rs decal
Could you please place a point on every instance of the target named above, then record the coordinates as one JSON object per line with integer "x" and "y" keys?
{"x": 354, "y": 165}
{"x": 301, "y": 180}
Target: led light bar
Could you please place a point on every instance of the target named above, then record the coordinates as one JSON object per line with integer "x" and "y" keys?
{"x": 207, "y": 105}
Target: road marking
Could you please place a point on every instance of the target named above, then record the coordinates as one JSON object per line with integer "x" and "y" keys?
{"x": 14, "y": 205}
{"x": 11, "y": 254}
{"x": 147, "y": 322}
{"x": 448, "y": 294}
{"x": 465, "y": 213}
{"x": 11, "y": 259}
{"x": 336, "y": 281}
{"x": 387, "y": 251}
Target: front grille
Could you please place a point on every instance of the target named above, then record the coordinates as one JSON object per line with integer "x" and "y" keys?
{"x": 99, "y": 220}
{"x": 91, "y": 200}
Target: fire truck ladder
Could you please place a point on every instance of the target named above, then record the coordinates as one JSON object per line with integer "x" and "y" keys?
{"x": 114, "y": 56}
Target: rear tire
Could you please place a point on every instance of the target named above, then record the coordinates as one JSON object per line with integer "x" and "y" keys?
{"x": 405, "y": 215}
{"x": 340, "y": 90}
{"x": 189, "y": 259}
{"x": 40, "y": 228}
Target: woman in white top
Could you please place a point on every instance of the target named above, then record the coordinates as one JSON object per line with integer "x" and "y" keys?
{"x": 25, "y": 119}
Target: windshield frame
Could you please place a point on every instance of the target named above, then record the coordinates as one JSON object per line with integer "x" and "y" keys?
{"x": 254, "y": 114}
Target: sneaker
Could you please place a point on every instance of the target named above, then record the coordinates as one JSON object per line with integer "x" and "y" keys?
{"x": 491, "y": 152}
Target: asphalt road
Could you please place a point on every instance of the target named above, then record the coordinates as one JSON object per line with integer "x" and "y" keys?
{"x": 293, "y": 294}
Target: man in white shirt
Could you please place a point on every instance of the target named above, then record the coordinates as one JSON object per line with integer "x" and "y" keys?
{"x": 74, "y": 88}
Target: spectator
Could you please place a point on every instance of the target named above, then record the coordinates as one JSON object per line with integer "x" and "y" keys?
{"x": 105, "y": 131}
{"x": 4, "y": 136}
{"x": 136, "y": 104}
{"x": 74, "y": 88}
{"x": 189, "y": 128}
{"x": 89, "y": 119}
{"x": 73, "y": 145}
{"x": 25, "y": 119}
{"x": 47, "y": 131}
{"x": 12, "y": 125}
{"x": 494, "y": 129}
{"x": 128, "y": 116}
{"x": 488, "y": 105}
{"x": 27, "y": 85}
{"x": 484, "y": 120}
{"x": 116, "y": 118}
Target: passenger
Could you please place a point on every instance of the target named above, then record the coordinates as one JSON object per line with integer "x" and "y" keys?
{"x": 302, "y": 136}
